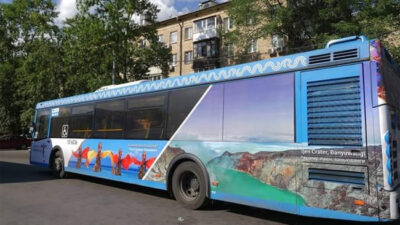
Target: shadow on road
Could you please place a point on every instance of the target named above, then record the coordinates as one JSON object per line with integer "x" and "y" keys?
{"x": 285, "y": 218}
{"x": 267, "y": 215}
{"x": 17, "y": 173}
{"x": 126, "y": 186}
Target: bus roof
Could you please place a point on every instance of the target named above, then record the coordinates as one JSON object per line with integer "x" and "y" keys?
{"x": 345, "y": 50}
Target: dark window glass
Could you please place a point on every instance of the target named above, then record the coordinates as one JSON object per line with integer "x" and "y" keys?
{"x": 81, "y": 122}
{"x": 58, "y": 121}
{"x": 205, "y": 49}
{"x": 260, "y": 109}
{"x": 110, "y": 119}
{"x": 146, "y": 117}
{"x": 180, "y": 103}
{"x": 42, "y": 124}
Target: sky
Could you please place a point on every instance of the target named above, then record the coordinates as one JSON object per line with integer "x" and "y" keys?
{"x": 168, "y": 8}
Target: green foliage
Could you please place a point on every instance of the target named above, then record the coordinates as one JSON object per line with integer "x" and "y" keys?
{"x": 123, "y": 35}
{"x": 40, "y": 61}
{"x": 310, "y": 24}
{"x": 26, "y": 66}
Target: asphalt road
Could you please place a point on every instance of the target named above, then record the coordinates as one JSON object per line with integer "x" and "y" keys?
{"x": 30, "y": 195}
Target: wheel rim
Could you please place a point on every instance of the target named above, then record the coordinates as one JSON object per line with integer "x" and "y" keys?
{"x": 189, "y": 186}
{"x": 58, "y": 165}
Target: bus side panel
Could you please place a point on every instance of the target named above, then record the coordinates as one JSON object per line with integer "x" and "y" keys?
{"x": 336, "y": 161}
{"x": 254, "y": 159}
{"x": 243, "y": 132}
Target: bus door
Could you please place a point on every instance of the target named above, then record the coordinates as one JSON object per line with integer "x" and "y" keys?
{"x": 330, "y": 130}
{"x": 41, "y": 144}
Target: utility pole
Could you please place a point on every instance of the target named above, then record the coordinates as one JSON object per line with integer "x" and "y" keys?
{"x": 180, "y": 23}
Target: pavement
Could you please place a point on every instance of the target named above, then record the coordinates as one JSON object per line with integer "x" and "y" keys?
{"x": 29, "y": 195}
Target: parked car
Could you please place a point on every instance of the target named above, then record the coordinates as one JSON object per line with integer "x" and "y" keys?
{"x": 12, "y": 141}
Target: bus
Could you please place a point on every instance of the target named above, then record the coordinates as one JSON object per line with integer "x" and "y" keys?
{"x": 314, "y": 134}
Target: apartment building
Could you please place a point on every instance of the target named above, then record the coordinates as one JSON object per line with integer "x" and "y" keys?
{"x": 197, "y": 45}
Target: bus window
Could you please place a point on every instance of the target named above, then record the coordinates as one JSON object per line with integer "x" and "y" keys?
{"x": 260, "y": 109}
{"x": 58, "y": 121}
{"x": 181, "y": 102}
{"x": 109, "y": 119}
{"x": 42, "y": 124}
{"x": 81, "y": 122}
{"x": 146, "y": 117}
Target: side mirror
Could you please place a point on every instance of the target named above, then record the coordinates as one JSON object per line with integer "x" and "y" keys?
{"x": 32, "y": 130}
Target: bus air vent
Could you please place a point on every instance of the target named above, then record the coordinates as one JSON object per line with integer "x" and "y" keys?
{"x": 316, "y": 59}
{"x": 347, "y": 54}
{"x": 338, "y": 176}
{"x": 334, "y": 112}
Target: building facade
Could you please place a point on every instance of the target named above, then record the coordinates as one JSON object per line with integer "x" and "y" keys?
{"x": 197, "y": 45}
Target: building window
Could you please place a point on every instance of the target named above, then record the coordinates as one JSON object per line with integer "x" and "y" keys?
{"x": 142, "y": 43}
{"x": 161, "y": 38}
{"x": 157, "y": 77}
{"x": 205, "y": 24}
{"x": 229, "y": 50}
{"x": 188, "y": 33}
{"x": 228, "y": 24}
{"x": 252, "y": 46}
{"x": 251, "y": 20}
{"x": 205, "y": 49}
{"x": 173, "y": 37}
{"x": 174, "y": 59}
{"x": 188, "y": 57}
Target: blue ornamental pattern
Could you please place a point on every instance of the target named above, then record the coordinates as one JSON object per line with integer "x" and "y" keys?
{"x": 263, "y": 67}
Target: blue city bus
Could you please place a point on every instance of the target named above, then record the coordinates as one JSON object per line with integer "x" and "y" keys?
{"x": 314, "y": 134}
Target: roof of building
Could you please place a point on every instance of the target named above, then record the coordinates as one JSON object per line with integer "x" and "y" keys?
{"x": 356, "y": 48}
{"x": 193, "y": 13}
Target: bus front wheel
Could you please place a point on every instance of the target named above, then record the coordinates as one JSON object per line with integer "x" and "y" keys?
{"x": 189, "y": 185}
{"x": 58, "y": 165}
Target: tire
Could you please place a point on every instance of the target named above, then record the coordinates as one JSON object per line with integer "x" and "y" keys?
{"x": 189, "y": 186}
{"x": 58, "y": 165}
{"x": 23, "y": 146}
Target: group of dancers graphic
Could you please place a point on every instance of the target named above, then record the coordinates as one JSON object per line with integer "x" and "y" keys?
{"x": 117, "y": 161}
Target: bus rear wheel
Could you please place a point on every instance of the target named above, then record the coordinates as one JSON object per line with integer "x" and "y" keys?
{"x": 58, "y": 165}
{"x": 189, "y": 186}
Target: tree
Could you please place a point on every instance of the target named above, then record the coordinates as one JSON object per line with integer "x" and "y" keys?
{"x": 310, "y": 24}
{"x": 27, "y": 66}
{"x": 87, "y": 60}
{"x": 130, "y": 61}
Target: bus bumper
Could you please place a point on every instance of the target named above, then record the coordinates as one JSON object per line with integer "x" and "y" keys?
{"x": 395, "y": 204}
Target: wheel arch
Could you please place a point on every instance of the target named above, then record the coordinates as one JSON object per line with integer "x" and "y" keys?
{"x": 175, "y": 162}
{"x": 53, "y": 152}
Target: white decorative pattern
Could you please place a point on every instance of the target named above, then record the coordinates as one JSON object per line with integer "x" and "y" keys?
{"x": 246, "y": 70}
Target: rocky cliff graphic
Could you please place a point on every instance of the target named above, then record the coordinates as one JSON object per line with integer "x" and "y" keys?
{"x": 159, "y": 170}
{"x": 288, "y": 170}
{"x": 283, "y": 175}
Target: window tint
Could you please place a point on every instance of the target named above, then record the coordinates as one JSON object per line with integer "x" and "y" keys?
{"x": 260, "y": 109}
{"x": 109, "y": 119}
{"x": 181, "y": 102}
{"x": 42, "y": 124}
{"x": 146, "y": 117}
{"x": 81, "y": 122}
{"x": 58, "y": 121}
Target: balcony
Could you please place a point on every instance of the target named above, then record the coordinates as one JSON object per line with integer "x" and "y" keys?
{"x": 205, "y": 34}
{"x": 205, "y": 29}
